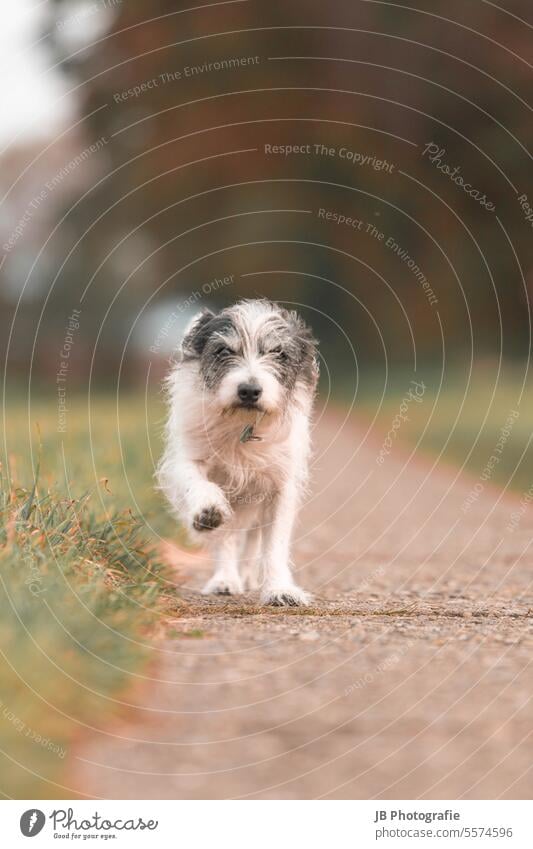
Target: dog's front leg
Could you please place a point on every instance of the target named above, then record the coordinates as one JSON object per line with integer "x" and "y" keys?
{"x": 199, "y": 503}
{"x": 278, "y": 587}
{"x": 226, "y": 579}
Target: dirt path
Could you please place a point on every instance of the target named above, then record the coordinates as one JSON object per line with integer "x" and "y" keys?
{"x": 411, "y": 676}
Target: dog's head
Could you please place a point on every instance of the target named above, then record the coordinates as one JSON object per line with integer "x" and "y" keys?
{"x": 254, "y": 355}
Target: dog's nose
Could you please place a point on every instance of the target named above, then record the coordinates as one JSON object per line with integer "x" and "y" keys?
{"x": 249, "y": 393}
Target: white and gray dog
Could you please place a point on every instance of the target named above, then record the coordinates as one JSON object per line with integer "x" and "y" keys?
{"x": 237, "y": 442}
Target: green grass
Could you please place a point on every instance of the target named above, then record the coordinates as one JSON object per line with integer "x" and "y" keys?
{"x": 81, "y": 588}
{"x": 460, "y": 420}
{"x": 108, "y": 446}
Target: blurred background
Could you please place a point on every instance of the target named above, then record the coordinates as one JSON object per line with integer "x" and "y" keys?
{"x": 134, "y": 172}
{"x": 365, "y": 162}
{"x": 158, "y": 158}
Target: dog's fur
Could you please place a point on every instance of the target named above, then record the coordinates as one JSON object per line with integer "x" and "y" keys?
{"x": 242, "y": 496}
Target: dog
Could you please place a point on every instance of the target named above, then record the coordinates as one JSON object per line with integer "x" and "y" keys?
{"x": 237, "y": 442}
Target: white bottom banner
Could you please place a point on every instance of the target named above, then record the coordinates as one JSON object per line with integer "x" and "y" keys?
{"x": 264, "y": 824}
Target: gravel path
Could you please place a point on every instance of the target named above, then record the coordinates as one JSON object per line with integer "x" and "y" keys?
{"x": 410, "y": 677}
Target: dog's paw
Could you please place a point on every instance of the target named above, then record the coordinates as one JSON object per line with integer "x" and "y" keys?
{"x": 209, "y": 509}
{"x": 207, "y": 519}
{"x": 219, "y": 585}
{"x": 286, "y": 596}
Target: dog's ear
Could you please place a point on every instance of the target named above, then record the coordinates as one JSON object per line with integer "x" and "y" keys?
{"x": 307, "y": 344}
{"x": 196, "y": 334}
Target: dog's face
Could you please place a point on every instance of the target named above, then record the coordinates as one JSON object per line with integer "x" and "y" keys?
{"x": 252, "y": 356}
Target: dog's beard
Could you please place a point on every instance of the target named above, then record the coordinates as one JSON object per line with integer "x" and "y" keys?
{"x": 250, "y": 424}
{"x": 240, "y": 412}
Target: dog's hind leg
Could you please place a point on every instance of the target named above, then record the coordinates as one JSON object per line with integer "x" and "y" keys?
{"x": 226, "y": 579}
{"x": 251, "y": 559}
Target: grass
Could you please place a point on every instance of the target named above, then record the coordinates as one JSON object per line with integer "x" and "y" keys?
{"x": 81, "y": 589}
{"x": 460, "y": 420}
{"x": 109, "y": 446}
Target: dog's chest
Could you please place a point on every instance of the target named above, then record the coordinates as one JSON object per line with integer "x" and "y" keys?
{"x": 251, "y": 469}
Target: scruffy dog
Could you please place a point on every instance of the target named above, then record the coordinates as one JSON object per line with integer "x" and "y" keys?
{"x": 237, "y": 442}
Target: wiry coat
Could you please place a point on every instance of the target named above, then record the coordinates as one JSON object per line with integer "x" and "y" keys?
{"x": 241, "y": 493}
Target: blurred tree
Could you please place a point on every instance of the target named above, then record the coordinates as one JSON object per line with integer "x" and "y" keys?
{"x": 189, "y": 104}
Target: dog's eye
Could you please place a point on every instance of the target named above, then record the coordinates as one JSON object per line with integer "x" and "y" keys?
{"x": 279, "y": 353}
{"x": 223, "y": 351}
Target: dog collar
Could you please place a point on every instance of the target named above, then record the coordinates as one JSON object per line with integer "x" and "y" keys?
{"x": 247, "y": 433}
